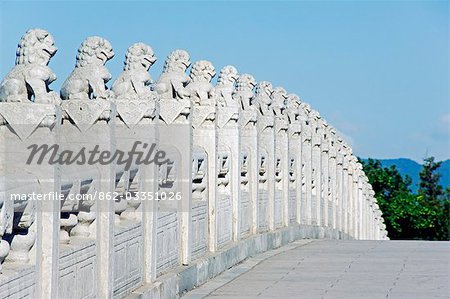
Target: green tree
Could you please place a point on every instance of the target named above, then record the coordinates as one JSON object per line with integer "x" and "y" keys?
{"x": 425, "y": 215}
{"x": 394, "y": 198}
{"x": 436, "y": 201}
{"x": 429, "y": 180}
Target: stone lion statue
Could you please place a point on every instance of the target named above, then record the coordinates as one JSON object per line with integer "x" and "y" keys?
{"x": 225, "y": 87}
{"x": 200, "y": 87}
{"x": 332, "y": 130}
{"x": 292, "y": 107}
{"x": 279, "y": 97}
{"x": 30, "y": 78}
{"x": 228, "y": 75}
{"x": 314, "y": 114}
{"x": 87, "y": 81}
{"x": 134, "y": 82}
{"x": 263, "y": 100}
{"x": 244, "y": 90}
{"x": 304, "y": 110}
{"x": 173, "y": 80}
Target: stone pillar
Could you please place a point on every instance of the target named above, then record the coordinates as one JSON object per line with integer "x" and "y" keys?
{"x": 136, "y": 127}
{"x": 385, "y": 234}
{"x": 204, "y": 123}
{"x": 353, "y": 186}
{"x": 346, "y": 190}
{"x": 306, "y": 161}
{"x": 34, "y": 224}
{"x": 91, "y": 124}
{"x": 175, "y": 130}
{"x": 340, "y": 186}
{"x": 281, "y": 213}
{"x": 266, "y": 149}
{"x": 359, "y": 204}
{"x": 332, "y": 172}
{"x": 356, "y": 197}
{"x": 295, "y": 159}
{"x": 316, "y": 159}
{"x": 364, "y": 208}
{"x": 373, "y": 227}
{"x": 381, "y": 227}
{"x": 229, "y": 141}
{"x": 377, "y": 223}
{"x": 48, "y": 218}
{"x": 350, "y": 202}
{"x": 22, "y": 124}
{"x": 373, "y": 222}
{"x": 79, "y": 130}
{"x": 249, "y": 177}
{"x": 324, "y": 198}
{"x": 370, "y": 214}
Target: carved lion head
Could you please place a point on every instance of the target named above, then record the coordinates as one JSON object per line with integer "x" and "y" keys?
{"x": 332, "y": 130}
{"x": 279, "y": 96}
{"x": 36, "y": 46}
{"x": 305, "y": 106}
{"x": 228, "y": 75}
{"x": 245, "y": 82}
{"x": 293, "y": 101}
{"x": 138, "y": 56}
{"x": 202, "y": 70}
{"x": 94, "y": 51}
{"x": 315, "y": 114}
{"x": 178, "y": 60}
{"x": 280, "y": 92}
{"x": 263, "y": 88}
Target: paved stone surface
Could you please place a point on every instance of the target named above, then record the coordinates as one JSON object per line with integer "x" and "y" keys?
{"x": 338, "y": 269}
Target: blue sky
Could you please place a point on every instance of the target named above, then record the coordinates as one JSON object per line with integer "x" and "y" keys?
{"x": 378, "y": 71}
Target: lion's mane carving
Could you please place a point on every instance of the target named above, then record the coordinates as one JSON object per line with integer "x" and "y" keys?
{"x": 202, "y": 91}
{"x": 293, "y": 100}
{"x": 263, "y": 100}
{"x": 225, "y": 86}
{"x": 279, "y": 97}
{"x": 202, "y": 70}
{"x": 245, "y": 82}
{"x": 178, "y": 60}
{"x": 134, "y": 82}
{"x": 244, "y": 90}
{"x": 314, "y": 114}
{"x": 30, "y": 78}
{"x": 228, "y": 75}
{"x": 292, "y": 107}
{"x": 332, "y": 130}
{"x": 173, "y": 80}
{"x": 304, "y": 110}
{"x": 88, "y": 79}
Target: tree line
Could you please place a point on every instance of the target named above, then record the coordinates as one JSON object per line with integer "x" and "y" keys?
{"x": 424, "y": 215}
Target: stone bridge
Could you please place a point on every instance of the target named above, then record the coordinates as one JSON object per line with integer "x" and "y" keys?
{"x": 149, "y": 189}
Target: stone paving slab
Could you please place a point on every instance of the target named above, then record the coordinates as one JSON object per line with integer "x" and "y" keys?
{"x": 338, "y": 269}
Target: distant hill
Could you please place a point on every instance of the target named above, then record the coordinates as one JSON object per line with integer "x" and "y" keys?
{"x": 412, "y": 169}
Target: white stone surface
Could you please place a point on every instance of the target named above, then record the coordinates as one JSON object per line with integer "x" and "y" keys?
{"x": 255, "y": 168}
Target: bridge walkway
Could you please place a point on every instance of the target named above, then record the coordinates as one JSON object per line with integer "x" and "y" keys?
{"x": 338, "y": 269}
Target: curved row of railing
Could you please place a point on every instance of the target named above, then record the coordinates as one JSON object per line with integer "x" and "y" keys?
{"x": 106, "y": 190}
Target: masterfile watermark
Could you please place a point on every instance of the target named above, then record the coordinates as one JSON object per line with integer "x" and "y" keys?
{"x": 120, "y": 164}
{"x": 147, "y": 154}
{"x": 97, "y": 195}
